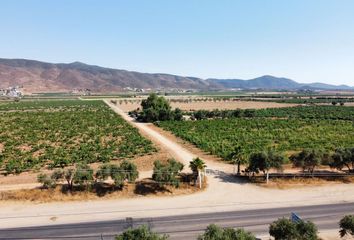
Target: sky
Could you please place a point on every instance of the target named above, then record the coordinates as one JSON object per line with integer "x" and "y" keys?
{"x": 305, "y": 40}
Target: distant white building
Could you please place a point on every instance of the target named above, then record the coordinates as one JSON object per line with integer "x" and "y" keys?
{"x": 11, "y": 92}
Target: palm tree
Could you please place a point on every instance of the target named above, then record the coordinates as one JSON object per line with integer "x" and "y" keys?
{"x": 197, "y": 166}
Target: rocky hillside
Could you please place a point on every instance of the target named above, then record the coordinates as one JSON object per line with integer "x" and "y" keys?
{"x": 37, "y": 76}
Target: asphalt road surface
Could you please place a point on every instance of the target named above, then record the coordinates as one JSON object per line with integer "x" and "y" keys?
{"x": 187, "y": 226}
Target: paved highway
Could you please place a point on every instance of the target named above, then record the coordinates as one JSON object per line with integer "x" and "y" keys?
{"x": 186, "y": 226}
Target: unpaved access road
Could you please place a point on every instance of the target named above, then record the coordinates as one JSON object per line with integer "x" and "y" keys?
{"x": 223, "y": 194}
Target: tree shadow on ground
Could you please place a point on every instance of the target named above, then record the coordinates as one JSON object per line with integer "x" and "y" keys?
{"x": 149, "y": 187}
{"x": 228, "y": 177}
{"x": 100, "y": 189}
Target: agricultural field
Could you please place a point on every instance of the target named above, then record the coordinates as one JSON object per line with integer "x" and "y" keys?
{"x": 55, "y": 133}
{"x": 203, "y": 104}
{"x": 287, "y": 130}
{"x": 302, "y": 112}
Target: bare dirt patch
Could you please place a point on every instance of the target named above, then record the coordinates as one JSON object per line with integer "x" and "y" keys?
{"x": 221, "y": 105}
{"x": 2, "y": 147}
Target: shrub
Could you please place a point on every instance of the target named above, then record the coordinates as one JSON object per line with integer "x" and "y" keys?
{"x": 214, "y": 232}
{"x": 141, "y": 233}
{"x": 83, "y": 175}
{"x": 46, "y": 181}
{"x": 126, "y": 171}
{"x": 285, "y": 229}
{"x": 346, "y": 225}
{"x": 167, "y": 174}
{"x": 307, "y": 159}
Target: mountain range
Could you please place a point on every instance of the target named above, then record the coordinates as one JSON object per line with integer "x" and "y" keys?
{"x": 36, "y": 76}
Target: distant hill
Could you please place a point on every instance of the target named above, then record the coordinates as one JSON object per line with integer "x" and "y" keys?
{"x": 36, "y": 76}
{"x": 265, "y": 82}
{"x": 271, "y": 82}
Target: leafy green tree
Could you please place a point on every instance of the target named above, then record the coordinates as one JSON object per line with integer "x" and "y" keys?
{"x": 307, "y": 159}
{"x": 264, "y": 161}
{"x": 46, "y": 181}
{"x": 69, "y": 175}
{"x": 126, "y": 171}
{"x": 214, "y": 232}
{"x": 346, "y": 225}
{"x": 83, "y": 175}
{"x": 238, "y": 157}
{"x": 167, "y": 174}
{"x": 130, "y": 171}
{"x": 140, "y": 233}
{"x": 198, "y": 166}
{"x": 306, "y": 230}
{"x": 343, "y": 157}
{"x": 200, "y": 114}
{"x": 285, "y": 229}
{"x": 156, "y": 108}
{"x": 177, "y": 114}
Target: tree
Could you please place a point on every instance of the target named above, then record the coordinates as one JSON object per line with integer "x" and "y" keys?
{"x": 126, "y": 171}
{"x": 177, "y": 114}
{"x": 156, "y": 108}
{"x": 214, "y": 232}
{"x": 130, "y": 171}
{"x": 46, "y": 181}
{"x": 343, "y": 157}
{"x": 285, "y": 229}
{"x": 200, "y": 114}
{"x": 264, "y": 161}
{"x": 83, "y": 175}
{"x": 307, "y": 160}
{"x": 198, "y": 166}
{"x": 346, "y": 225}
{"x": 167, "y": 174}
{"x": 69, "y": 177}
{"x": 238, "y": 157}
{"x": 306, "y": 230}
{"x": 140, "y": 233}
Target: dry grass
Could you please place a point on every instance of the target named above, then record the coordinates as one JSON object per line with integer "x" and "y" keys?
{"x": 221, "y": 105}
{"x": 280, "y": 183}
{"x": 146, "y": 187}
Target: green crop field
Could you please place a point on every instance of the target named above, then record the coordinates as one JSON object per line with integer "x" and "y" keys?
{"x": 297, "y": 129}
{"x": 59, "y": 133}
{"x": 309, "y": 112}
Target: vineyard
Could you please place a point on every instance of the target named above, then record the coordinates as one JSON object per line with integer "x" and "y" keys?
{"x": 59, "y": 133}
{"x": 221, "y": 136}
{"x": 302, "y": 112}
{"x": 309, "y": 112}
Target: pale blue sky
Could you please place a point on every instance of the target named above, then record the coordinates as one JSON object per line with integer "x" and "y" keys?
{"x": 306, "y": 40}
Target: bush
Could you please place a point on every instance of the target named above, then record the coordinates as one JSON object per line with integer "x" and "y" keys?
{"x": 167, "y": 174}
{"x": 141, "y": 233}
{"x": 126, "y": 171}
{"x": 285, "y": 229}
{"x": 214, "y": 232}
{"x": 307, "y": 159}
{"x": 83, "y": 175}
{"x": 46, "y": 181}
{"x": 346, "y": 225}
